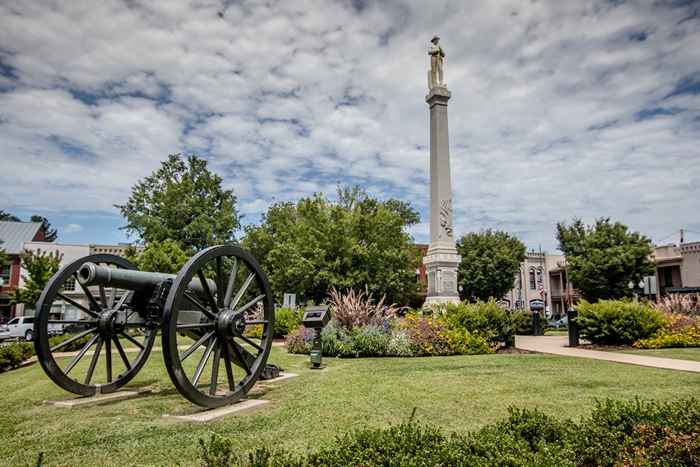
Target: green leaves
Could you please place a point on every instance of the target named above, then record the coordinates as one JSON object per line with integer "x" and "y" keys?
{"x": 604, "y": 257}
{"x": 182, "y": 201}
{"x": 40, "y": 266}
{"x": 490, "y": 261}
{"x": 358, "y": 242}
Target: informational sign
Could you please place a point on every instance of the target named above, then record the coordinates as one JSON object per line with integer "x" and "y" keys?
{"x": 536, "y": 304}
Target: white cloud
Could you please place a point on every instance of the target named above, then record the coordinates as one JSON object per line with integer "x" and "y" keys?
{"x": 559, "y": 109}
{"x": 72, "y": 228}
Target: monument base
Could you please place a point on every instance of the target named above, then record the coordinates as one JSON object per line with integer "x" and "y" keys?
{"x": 441, "y": 263}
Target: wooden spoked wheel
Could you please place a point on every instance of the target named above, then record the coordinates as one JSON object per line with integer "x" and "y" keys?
{"x": 89, "y": 339}
{"x": 217, "y": 335}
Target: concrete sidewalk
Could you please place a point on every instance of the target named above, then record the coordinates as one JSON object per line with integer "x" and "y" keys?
{"x": 558, "y": 345}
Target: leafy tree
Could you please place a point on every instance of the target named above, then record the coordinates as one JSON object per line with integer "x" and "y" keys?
{"x": 604, "y": 257}
{"x": 359, "y": 242}
{"x": 50, "y": 233}
{"x": 490, "y": 261}
{"x": 40, "y": 266}
{"x": 6, "y": 216}
{"x": 166, "y": 257}
{"x": 182, "y": 201}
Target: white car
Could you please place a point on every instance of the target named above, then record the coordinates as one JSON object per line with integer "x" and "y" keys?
{"x": 21, "y": 327}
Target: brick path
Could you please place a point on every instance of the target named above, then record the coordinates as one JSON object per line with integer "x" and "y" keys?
{"x": 558, "y": 345}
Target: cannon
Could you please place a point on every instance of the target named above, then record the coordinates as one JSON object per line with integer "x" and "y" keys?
{"x": 216, "y": 312}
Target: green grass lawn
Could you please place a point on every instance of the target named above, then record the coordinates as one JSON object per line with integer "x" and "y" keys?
{"x": 457, "y": 393}
{"x": 692, "y": 353}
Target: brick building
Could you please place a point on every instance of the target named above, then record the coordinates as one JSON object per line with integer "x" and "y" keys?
{"x": 13, "y": 236}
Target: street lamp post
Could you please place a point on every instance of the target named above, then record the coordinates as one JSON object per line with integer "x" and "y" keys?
{"x": 631, "y": 285}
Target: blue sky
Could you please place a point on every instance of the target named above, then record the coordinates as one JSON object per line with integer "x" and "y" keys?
{"x": 559, "y": 109}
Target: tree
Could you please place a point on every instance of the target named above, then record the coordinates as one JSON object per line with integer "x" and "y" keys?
{"x": 603, "y": 258}
{"x": 6, "y": 216}
{"x": 166, "y": 257}
{"x": 40, "y": 266}
{"x": 359, "y": 242}
{"x": 50, "y": 233}
{"x": 181, "y": 201}
{"x": 490, "y": 261}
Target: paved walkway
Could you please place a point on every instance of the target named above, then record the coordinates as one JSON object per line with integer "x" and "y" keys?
{"x": 558, "y": 345}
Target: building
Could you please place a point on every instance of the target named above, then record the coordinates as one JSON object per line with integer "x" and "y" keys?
{"x": 677, "y": 268}
{"x": 68, "y": 253}
{"x": 13, "y": 236}
{"x": 542, "y": 284}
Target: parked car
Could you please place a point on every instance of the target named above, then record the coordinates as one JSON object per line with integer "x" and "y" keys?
{"x": 21, "y": 327}
{"x": 560, "y": 323}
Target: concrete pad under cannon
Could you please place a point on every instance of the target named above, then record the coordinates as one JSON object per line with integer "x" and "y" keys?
{"x": 281, "y": 377}
{"x": 211, "y": 415}
{"x": 99, "y": 399}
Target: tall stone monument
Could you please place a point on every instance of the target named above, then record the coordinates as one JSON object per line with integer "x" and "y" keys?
{"x": 441, "y": 260}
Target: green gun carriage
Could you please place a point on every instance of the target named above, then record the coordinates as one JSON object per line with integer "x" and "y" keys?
{"x": 215, "y": 316}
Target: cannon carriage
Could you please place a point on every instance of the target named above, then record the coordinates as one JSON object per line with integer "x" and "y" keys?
{"x": 216, "y": 312}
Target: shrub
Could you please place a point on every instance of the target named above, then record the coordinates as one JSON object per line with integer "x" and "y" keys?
{"x": 300, "y": 340}
{"x": 334, "y": 340}
{"x": 487, "y": 319}
{"x": 358, "y": 309}
{"x": 286, "y": 321}
{"x": 522, "y": 322}
{"x": 463, "y": 342}
{"x": 616, "y": 322}
{"x": 12, "y": 355}
{"x": 426, "y": 334}
{"x": 369, "y": 341}
{"x": 73, "y": 346}
{"x": 616, "y": 433}
{"x": 686, "y": 304}
{"x": 687, "y": 337}
{"x": 399, "y": 344}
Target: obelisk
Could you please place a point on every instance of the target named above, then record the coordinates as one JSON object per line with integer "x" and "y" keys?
{"x": 441, "y": 260}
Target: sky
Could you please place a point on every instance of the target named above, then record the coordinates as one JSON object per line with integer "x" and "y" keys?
{"x": 559, "y": 110}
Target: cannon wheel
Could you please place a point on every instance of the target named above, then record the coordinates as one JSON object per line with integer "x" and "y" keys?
{"x": 103, "y": 321}
{"x": 231, "y": 324}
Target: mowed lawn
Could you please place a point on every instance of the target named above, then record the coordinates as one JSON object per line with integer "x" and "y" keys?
{"x": 457, "y": 393}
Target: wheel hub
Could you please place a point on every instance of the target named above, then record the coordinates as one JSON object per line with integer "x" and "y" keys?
{"x": 229, "y": 324}
{"x": 111, "y": 322}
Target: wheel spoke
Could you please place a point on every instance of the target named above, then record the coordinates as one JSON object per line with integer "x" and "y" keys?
{"x": 122, "y": 354}
{"x": 215, "y": 370}
{"x": 132, "y": 340}
{"x": 194, "y": 346}
{"x": 123, "y": 299}
{"x": 219, "y": 283}
{"x": 227, "y": 365}
{"x": 195, "y": 326}
{"x": 250, "y": 304}
{"x": 244, "y": 287}
{"x": 242, "y": 356}
{"x": 112, "y": 296}
{"x": 203, "y": 362}
{"x": 80, "y": 354}
{"x": 231, "y": 281}
{"x": 207, "y": 292}
{"x": 108, "y": 359}
{"x": 199, "y": 306}
{"x": 72, "y": 339}
{"x": 88, "y": 294}
{"x": 78, "y": 305}
{"x": 103, "y": 296}
{"x": 93, "y": 362}
{"x": 249, "y": 341}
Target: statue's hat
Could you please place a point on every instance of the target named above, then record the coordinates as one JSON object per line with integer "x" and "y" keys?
{"x": 435, "y": 38}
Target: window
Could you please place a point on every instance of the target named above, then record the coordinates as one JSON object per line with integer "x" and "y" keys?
{"x": 539, "y": 275}
{"x": 28, "y": 320}
{"x": 5, "y": 272}
{"x": 14, "y": 321}
{"x": 69, "y": 285}
{"x": 533, "y": 285}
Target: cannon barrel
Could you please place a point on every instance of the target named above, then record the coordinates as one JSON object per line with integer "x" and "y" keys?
{"x": 93, "y": 274}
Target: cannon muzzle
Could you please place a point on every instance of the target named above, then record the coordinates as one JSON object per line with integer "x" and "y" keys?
{"x": 93, "y": 274}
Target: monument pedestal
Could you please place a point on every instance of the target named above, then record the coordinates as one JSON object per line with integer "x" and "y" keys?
{"x": 441, "y": 260}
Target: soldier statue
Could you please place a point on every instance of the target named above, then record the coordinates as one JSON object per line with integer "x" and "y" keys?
{"x": 435, "y": 78}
